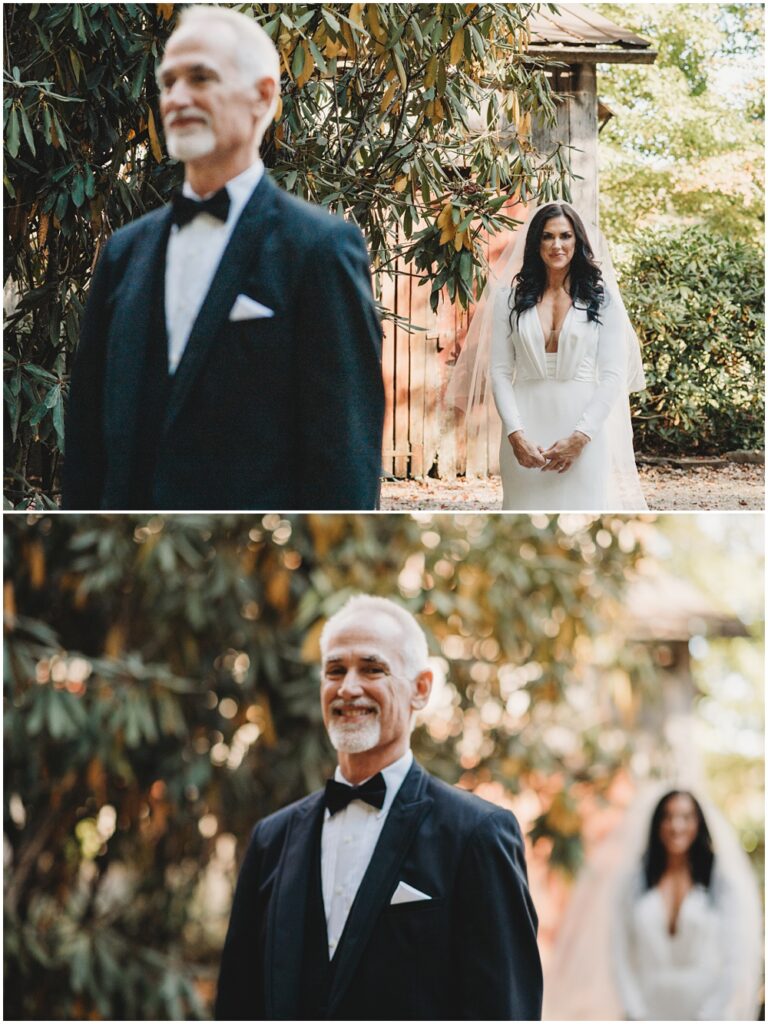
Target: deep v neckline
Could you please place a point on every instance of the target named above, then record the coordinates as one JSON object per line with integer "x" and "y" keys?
{"x": 559, "y": 333}
{"x": 672, "y": 935}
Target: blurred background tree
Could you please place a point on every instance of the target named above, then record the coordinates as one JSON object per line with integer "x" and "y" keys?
{"x": 375, "y": 124}
{"x": 686, "y": 146}
{"x": 682, "y": 199}
{"x": 161, "y": 695}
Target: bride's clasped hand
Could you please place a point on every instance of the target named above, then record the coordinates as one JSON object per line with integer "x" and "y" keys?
{"x": 558, "y": 457}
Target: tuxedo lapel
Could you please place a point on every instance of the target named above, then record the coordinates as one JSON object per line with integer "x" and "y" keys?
{"x": 379, "y": 881}
{"x": 141, "y": 300}
{"x": 285, "y": 928}
{"x": 243, "y": 251}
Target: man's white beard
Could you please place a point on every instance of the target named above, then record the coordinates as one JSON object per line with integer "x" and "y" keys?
{"x": 192, "y": 142}
{"x": 190, "y": 145}
{"x": 355, "y": 737}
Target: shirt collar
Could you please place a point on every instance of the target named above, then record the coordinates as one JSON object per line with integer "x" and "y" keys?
{"x": 239, "y": 188}
{"x": 394, "y": 776}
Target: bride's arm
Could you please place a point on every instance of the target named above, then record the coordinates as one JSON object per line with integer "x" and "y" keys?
{"x": 503, "y": 373}
{"x": 733, "y": 952}
{"x": 611, "y": 368}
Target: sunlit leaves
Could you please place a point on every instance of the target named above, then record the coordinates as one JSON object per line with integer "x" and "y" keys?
{"x": 392, "y": 105}
{"x": 154, "y": 140}
{"x": 687, "y": 145}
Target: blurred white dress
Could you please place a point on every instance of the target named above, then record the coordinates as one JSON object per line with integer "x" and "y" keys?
{"x": 690, "y": 975}
{"x": 549, "y": 395}
{"x": 613, "y": 957}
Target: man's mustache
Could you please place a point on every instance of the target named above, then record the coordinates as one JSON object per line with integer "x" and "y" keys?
{"x": 187, "y": 112}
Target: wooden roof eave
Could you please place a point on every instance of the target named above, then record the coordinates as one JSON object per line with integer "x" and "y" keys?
{"x": 667, "y": 609}
{"x": 590, "y": 54}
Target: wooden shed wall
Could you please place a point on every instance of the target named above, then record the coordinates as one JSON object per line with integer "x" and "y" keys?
{"x": 423, "y": 435}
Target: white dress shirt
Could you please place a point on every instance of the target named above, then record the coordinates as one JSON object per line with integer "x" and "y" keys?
{"x": 348, "y": 841}
{"x": 193, "y": 256}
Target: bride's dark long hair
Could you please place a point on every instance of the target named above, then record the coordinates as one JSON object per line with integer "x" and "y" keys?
{"x": 584, "y": 281}
{"x": 701, "y": 856}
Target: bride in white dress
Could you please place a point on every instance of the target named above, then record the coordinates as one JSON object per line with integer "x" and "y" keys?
{"x": 563, "y": 357}
{"x": 664, "y": 922}
{"x": 675, "y": 934}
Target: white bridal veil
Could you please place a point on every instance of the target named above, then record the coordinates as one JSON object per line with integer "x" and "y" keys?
{"x": 470, "y": 386}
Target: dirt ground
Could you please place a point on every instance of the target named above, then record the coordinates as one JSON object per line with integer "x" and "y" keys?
{"x": 720, "y": 488}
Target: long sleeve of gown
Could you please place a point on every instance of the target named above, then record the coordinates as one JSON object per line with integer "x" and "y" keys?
{"x": 731, "y": 950}
{"x": 622, "y": 943}
{"x": 611, "y": 370}
{"x": 503, "y": 368}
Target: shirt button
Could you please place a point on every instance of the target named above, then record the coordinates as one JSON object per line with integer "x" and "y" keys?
{"x": 338, "y": 890}
{"x": 347, "y": 839}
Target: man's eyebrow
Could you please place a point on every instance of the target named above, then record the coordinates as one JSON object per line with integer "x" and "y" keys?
{"x": 190, "y": 69}
{"x": 368, "y": 659}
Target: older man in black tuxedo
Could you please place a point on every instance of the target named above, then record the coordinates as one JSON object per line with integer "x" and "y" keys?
{"x": 389, "y": 895}
{"x": 230, "y": 349}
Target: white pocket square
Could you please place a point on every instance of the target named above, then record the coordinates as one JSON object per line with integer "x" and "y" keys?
{"x": 405, "y": 893}
{"x": 246, "y": 308}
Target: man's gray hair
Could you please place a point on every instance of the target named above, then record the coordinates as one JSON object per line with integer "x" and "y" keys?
{"x": 415, "y": 652}
{"x": 256, "y": 53}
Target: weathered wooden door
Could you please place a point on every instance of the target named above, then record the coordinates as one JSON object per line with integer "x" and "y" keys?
{"x": 423, "y": 435}
{"x": 419, "y": 434}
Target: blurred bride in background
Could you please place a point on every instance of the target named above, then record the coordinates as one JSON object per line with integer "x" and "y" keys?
{"x": 676, "y": 948}
{"x": 664, "y": 922}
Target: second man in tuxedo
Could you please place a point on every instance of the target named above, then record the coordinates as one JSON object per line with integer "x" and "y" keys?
{"x": 230, "y": 349}
{"x": 389, "y": 895}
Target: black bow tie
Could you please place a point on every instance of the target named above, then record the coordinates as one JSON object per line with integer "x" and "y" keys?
{"x": 186, "y": 209}
{"x": 338, "y": 794}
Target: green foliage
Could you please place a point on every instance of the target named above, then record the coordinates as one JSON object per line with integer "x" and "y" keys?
{"x": 697, "y": 303}
{"x": 77, "y": 108}
{"x": 391, "y": 114}
{"x": 687, "y": 143}
{"x": 161, "y": 695}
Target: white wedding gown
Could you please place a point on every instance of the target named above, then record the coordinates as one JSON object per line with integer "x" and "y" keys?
{"x": 549, "y": 395}
{"x": 686, "y": 976}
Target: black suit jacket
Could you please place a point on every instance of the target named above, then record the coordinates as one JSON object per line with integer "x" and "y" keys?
{"x": 283, "y": 412}
{"x": 468, "y": 953}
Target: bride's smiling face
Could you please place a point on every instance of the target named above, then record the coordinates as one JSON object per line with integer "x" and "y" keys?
{"x": 558, "y": 243}
{"x": 679, "y": 824}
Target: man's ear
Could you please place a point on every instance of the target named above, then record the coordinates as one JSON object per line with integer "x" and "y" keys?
{"x": 422, "y": 687}
{"x": 265, "y": 94}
